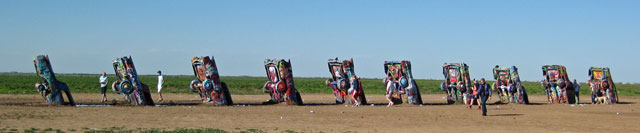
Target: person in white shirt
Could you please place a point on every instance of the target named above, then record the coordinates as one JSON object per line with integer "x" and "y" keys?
{"x": 160, "y": 83}
{"x": 390, "y": 87}
{"x": 103, "y": 86}
{"x": 576, "y": 87}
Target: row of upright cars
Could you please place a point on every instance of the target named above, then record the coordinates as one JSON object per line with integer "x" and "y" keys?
{"x": 346, "y": 86}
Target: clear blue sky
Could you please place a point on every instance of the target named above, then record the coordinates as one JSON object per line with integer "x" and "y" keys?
{"x": 83, "y": 36}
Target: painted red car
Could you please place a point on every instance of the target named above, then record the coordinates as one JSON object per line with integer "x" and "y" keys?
{"x": 344, "y": 82}
{"x": 399, "y": 73}
{"x": 280, "y": 85}
{"x": 457, "y": 81}
{"x": 555, "y": 80}
{"x": 207, "y": 83}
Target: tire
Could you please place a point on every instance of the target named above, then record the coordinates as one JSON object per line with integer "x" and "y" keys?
{"x": 115, "y": 86}
{"x": 227, "y": 95}
{"x": 194, "y": 86}
{"x": 450, "y": 101}
{"x": 396, "y": 98}
{"x": 123, "y": 87}
{"x": 41, "y": 88}
{"x": 338, "y": 100}
{"x": 278, "y": 95}
{"x": 281, "y": 87}
{"x": 266, "y": 87}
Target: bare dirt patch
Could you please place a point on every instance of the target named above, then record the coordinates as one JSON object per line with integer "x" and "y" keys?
{"x": 320, "y": 114}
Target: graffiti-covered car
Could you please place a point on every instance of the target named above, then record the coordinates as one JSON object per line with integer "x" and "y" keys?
{"x": 603, "y": 89}
{"x": 509, "y": 86}
{"x": 280, "y": 84}
{"x": 344, "y": 82}
{"x": 207, "y": 83}
{"x": 559, "y": 87}
{"x": 128, "y": 84}
{"x": 49, "y": 87}
{"x": 457, "y": 81}
{"x": 399, "y": 73}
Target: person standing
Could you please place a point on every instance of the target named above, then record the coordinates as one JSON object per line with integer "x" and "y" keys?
{"x": 511, "y": 90}
{"x": 474, "y": 95}
{"x": 576, "y": 87}
{"x": 547, "y": 89}
{"x": 564, "y": 85}
{"x": 390, "y": 88}
{"x": 485, "y": 94}
{"x": 160, "y": 83}
{"x": 354, "y": 90}
{"x": 559, "y": 89}
{"x": 606, "y": 91}
{"x": 103, "y": 86}
{"x": 592, "y": 86}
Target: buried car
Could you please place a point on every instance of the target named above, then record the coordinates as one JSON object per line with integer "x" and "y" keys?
{"x": 345, "y": 83}
{"x": 128, "y": 84}
{"x": 207, "y": 83}
{"x": 49, "y": 87}
{"x": 603, "y": 89}
{"x": 509, "y": 86}
{"x": 399, "y": 74}
{"x": 280, "y": 85}
{"x": 557, "y": 84}
{"x": 456, "y": 81}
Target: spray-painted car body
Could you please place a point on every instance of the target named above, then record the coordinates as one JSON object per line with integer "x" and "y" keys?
{"x": 502, "y": 76}
{"x": 341, "y": 83}
{"x": 598, "y": 76}
{"x": 554, "y": 75}
{"x": 280, "y": 85}
{"x": 207, "y": 83}
{"x": 399, "y": 73}
{"x": 454, "y": 73}
{"x": 49, "y": 87}
{"x": 128, "y": 84}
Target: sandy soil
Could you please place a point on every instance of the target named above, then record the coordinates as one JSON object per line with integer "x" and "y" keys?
{"x": 320, "y": 114}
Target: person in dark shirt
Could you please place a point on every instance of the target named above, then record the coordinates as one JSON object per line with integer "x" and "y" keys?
{"x": 606, "y": 91}
{"x": 485, "y": 94}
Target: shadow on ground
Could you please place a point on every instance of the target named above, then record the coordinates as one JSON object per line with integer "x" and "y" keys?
{"x": 506, "y": 115}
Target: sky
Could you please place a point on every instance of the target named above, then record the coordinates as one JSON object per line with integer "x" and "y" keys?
{"x": 83, "y": 36}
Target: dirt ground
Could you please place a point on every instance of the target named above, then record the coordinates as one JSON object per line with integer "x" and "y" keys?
{"x": 320, "y": 114}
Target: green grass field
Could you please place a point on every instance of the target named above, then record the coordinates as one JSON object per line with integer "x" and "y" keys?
{"x": 23, "y": 83}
